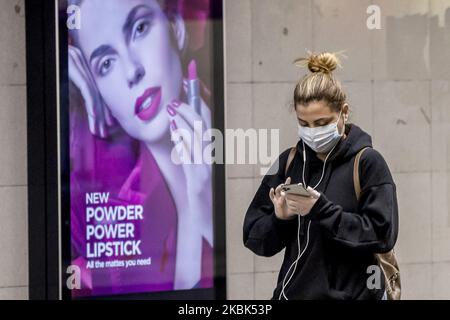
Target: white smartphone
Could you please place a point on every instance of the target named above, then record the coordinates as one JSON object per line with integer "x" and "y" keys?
{"x": 296, "y": 189}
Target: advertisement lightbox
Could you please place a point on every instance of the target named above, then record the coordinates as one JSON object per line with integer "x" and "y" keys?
{"x": 124, "y": 216}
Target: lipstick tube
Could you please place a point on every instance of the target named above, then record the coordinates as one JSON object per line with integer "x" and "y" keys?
{"x": 193, "y": 89}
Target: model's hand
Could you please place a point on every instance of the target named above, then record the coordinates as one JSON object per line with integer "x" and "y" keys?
{"x": 99, "y": 116}
{"x": 301, "y": 204}
{"x": 204, "y": 108}
{"x": 278, "y": 197}
{"x": 188, "y": 129}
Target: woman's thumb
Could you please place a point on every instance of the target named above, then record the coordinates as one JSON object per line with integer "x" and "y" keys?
{"x": 313, "y": 193}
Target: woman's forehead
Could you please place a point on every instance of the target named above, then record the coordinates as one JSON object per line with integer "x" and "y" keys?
{"x": 102, "y": 7}
{"x": 315, "y": 108}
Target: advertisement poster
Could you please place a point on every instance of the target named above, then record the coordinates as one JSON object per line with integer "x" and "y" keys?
{"x": 139, "y": 70}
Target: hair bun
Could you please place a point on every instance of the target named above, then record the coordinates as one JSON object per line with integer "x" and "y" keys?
{"x": 324, "y": 62}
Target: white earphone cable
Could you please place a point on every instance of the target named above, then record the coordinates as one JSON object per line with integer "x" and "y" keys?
{"x": 300, "y": 253}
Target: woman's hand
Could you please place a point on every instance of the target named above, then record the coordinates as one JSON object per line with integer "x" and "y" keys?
{"x": 302, "y": 205}
{"x": 99, "y": 116}
{"x": 278, "y": 197}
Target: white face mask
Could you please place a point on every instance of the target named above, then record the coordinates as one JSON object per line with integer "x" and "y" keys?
{"x": 321, "y": 139}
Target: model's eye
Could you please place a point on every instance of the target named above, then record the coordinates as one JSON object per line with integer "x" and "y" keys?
{"x": 141, "y": 29}
{"x": 105, "y": 66}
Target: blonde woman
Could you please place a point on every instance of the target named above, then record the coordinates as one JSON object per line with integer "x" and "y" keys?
{"x": 330, "y": 238}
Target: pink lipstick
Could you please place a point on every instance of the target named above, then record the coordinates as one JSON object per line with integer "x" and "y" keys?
{"x": 194, "y": 87}
{"x": 147, "y": 105}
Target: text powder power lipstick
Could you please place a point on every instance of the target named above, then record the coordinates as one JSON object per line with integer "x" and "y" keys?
{"x": 194, "y": 87}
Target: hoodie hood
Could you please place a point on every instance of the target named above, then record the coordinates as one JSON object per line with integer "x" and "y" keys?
{"x": 356, "y": 140}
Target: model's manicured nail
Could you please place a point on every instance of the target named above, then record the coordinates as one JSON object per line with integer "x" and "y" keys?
{"x": 176, "y": 103}
{"x": 173, "y": 125}
{"x": 171, "y": 110}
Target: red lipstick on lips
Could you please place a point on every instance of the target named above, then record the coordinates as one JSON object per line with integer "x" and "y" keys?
{"x": 146, "y": 113}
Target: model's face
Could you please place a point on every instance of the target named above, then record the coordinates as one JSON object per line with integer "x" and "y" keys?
{"x": 128, "y": 47}
{"x": 318, "y": 114}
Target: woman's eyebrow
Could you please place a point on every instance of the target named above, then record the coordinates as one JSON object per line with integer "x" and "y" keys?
{"x": 315, "y": 121}
{"x": 132, "y": 17}
{"x": 322, "y": 119}
{"x": 100, "y": 51}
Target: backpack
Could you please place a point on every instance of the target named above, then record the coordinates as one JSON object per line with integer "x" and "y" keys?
{"x": 387, "y": 261}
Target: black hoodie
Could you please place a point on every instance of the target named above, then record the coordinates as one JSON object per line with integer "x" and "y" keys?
{"x": 344, "y": 234}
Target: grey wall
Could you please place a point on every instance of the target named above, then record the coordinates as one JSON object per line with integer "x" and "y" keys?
{"x": 398, "y": 81}
{"x": 13, "y": 146}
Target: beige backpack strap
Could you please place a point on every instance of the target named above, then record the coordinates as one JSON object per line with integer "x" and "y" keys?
{"x": 289, "y": 160}
{"x": 356, "y": 181}
{"x": 387, "y": 261}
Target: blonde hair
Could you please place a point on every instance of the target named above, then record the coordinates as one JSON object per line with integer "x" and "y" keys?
{"x": 320, "y": 84}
